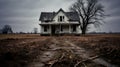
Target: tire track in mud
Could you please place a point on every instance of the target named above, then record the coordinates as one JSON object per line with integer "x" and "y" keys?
{"x": 47, "y": 56}
{"x": 86, "y": 55}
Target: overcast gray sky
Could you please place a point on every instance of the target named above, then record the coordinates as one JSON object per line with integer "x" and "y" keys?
{"x": 23, "y": 15}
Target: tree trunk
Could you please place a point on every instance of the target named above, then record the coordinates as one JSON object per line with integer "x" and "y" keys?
{"x": 83, "y": 31}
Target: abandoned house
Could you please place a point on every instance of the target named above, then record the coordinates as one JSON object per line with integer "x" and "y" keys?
{"x": 60, "y": 22}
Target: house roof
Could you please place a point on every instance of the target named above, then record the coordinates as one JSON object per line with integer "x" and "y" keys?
{"x": 48, "y": 16}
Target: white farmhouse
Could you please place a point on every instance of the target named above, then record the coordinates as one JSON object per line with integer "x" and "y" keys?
{"x": 60, "y": 22}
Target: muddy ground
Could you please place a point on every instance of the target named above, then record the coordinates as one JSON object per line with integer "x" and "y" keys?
{"x": 23, "y": 50}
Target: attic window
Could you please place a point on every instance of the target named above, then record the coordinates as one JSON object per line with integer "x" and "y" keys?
{"x": 60, "y": 18}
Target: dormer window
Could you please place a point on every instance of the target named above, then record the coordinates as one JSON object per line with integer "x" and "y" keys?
{"x": 60, "y": 18}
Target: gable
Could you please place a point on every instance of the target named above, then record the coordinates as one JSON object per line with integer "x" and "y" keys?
{"x": 60, "y": 14}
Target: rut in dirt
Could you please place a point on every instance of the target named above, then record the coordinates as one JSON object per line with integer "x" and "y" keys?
{"x": 58, "y": 50}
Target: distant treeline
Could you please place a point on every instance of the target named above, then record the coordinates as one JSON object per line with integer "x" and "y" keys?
{"x": 104, "y": 33}
{"x": 6, "y": 29}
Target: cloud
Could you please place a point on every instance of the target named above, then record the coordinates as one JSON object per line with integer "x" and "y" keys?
{"x": 25, "y": 13}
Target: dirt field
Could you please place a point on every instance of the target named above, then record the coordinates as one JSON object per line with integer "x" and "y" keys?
{"x": 33, "y": 50}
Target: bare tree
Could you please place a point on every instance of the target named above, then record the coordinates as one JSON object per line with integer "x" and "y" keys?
{"x": 7, "y": 29}
{"x": 90, "y": 12}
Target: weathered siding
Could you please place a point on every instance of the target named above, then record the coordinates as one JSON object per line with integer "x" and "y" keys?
{"x": 60, "y": 14}
{"x": 66, "y": 25}
{"x": 48, "y": 30}
{"x": 66, "y": 29}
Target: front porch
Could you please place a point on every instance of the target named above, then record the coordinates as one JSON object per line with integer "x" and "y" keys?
{"x": 59, "y": 29}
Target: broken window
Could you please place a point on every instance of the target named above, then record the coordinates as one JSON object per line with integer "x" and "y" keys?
{"x": 61, "y": 18}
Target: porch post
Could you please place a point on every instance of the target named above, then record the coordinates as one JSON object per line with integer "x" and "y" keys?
{"x": 60, "y": 29}
{"x": 41, "y": 29}
{"x": 50, "y": 30}
{"x": 69, "y": 28}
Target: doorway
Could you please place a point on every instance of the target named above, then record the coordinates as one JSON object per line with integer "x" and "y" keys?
{"x": 53, "y": 29}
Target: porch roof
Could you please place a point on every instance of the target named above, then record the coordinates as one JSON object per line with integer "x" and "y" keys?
{"x": 59, "y": 24}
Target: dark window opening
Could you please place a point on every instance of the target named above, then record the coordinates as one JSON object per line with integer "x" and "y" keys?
{"x": 74, "y": 28}
{"x": 61, "y": 28}
{"x": 45, "y": 28}
{"x": 61, "y": 18}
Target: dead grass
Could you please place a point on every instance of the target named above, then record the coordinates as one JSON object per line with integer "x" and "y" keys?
{"x": 18, "y": 50}
{"x": 19, "y": 36}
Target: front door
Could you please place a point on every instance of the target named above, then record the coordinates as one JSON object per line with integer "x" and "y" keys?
{"x": 53, "y": 30}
